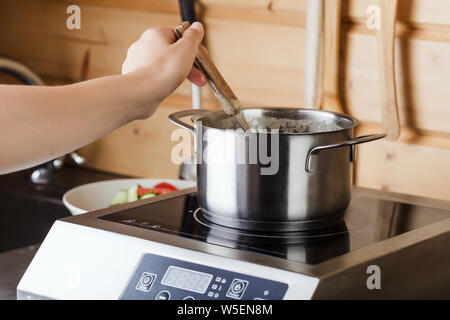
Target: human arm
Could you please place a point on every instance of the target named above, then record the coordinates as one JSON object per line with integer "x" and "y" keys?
{"x": 38, "y": 124}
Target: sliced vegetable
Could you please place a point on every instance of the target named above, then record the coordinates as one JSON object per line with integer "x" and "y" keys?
{"x": 165, "y": 185}
{"x": 162, "y": 190}
{"x": 133, "y": 193}
{"x": 148, "y": 195}
{"x": 137, "y": 192}
{"x": 142, "y": 191}
{"x": 120, "y": 198}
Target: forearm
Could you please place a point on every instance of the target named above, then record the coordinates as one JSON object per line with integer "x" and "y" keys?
{"x": 40, "y": 123}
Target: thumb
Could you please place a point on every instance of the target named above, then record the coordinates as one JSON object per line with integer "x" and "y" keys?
{"x": 187, "y": 46}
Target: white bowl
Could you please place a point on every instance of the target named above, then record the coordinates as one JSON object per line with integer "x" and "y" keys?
{"x": 98, "y": 195}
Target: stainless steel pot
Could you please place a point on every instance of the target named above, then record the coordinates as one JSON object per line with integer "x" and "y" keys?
{"x": 309, "y": 187}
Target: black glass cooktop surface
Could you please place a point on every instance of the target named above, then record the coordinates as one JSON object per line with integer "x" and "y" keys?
{"x": 367, "y": 220}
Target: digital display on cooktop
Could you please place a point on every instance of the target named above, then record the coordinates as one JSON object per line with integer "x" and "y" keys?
{"x": 367, "y": 220}
{"x": 186, "y": 279}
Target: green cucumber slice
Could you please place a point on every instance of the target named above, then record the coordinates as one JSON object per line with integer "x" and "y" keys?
{"x": 132, "y": 193}
{"x": 148, "y": 195}
{"x": 121, "y": 197}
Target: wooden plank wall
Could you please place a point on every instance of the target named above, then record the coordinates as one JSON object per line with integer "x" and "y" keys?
{"x": 259, "y": 46}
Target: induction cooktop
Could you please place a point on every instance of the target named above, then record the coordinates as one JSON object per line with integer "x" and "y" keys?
{"x": 163, "y": 248}
{"x": 367, "y": 220}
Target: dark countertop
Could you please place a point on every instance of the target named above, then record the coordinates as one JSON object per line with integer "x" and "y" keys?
{"x": 62, "y": 180}
{"x": 12, "y": 267}
{"x": 27, "y": 212}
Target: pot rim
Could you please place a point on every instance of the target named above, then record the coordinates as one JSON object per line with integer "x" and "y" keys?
{"x": 355, "y": 121}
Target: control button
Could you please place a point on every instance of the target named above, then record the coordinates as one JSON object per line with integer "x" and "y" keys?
{"x": 163, "y": 295}
{"x": 224, "y": 280}
{"x": 220, "y": 288}
{"x": 146, "y": 281}
{"x": 188, "y": 298}
{"x": 218, "y": 279}
{"x": 237, "y": 289}
{"x": 210, "y": 294}
{"x": 216, "y": 295}
{"x": 214, "y": 286}
{"x": 266, "y": 292}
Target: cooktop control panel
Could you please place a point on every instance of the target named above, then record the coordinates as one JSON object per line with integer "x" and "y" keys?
{"x": 162, "y": 278}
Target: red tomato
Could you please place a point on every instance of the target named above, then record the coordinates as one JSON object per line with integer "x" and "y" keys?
{"x": 162, "y": 190}
{"x": 141, "y": 191}
{"x": 165, "y": 185}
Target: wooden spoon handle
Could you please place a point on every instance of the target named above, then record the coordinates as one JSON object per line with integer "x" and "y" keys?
{"x": 314, "y": 22}
{"x": 331, "y": 42}
{"x": 386, "y": 38}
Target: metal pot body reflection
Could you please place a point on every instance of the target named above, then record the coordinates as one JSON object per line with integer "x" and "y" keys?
{"x": 267, "y": 181}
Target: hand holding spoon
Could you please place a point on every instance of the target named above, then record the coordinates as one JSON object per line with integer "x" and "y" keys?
{"x": 228, "y": 100}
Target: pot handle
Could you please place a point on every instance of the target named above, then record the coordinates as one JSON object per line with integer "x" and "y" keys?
{"x": 175, "y": 118}
{"x": 352, "y": 143}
